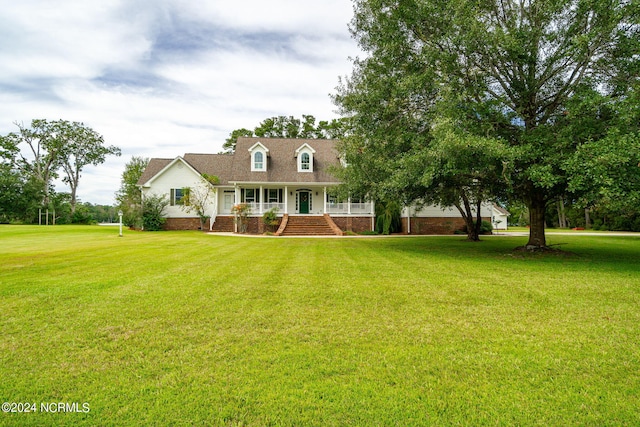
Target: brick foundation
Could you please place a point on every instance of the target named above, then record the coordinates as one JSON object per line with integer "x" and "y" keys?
{"x": 435, "y": 225}
{"x": 183, "y": 224}
{"x": 354, "y": 224}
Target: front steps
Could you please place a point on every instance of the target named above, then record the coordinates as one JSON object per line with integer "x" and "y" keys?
{"x": 309, "y": 226}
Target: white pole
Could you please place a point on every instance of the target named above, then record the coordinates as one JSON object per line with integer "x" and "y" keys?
{"x": 120, "y": 215}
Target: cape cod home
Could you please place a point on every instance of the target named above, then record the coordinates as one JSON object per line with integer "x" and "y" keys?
{"x": 291, "y": 175}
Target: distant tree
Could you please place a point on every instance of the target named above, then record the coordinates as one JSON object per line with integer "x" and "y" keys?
{"x": 11, "y": 181}
{"x": 82, "y": 214}
{"x": 8, "y": 150}
{"x": 289, "y": 127}
{"x": 44, "y": 145}
{"x": 230, "y": 143}
{"x": 79, "y": 146}
{"x": 55, "y": 145}
{"x": 129, "y": 197}
{"x": 20, "y": 192}
{"x": 11, "y": 200}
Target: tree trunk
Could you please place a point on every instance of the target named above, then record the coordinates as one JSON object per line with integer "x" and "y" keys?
{"x": 537, "y": 209}
{"x": 587, "y": 219}
{"x": 478, "y": 223}
{"x": 562, "y": 215}
{"x": 467, "y": 215}
{"x": 73, "y": 200}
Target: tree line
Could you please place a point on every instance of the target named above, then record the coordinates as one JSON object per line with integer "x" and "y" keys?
{"x": 34, "y": 156}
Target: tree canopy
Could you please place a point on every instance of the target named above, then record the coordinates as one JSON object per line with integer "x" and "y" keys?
{"x": 519, "y": 80}
{"x": 34, "y": 156}
{"x": 129, "y": 196}
{"x": 289, "y": 127}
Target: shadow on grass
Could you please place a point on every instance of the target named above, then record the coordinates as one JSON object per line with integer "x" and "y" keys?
{"x": 616, "y": 252}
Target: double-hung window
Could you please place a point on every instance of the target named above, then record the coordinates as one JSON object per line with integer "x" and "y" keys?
{"x": 250, "y": 195}
{"x": 258, "y": 161}
{"x": 175, "y": 197}
{"x": 305, "y": 162}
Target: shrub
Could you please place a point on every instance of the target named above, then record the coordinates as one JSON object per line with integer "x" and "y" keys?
{"x": 241, "y": 213}
{"x": 388, "y": 217}
{"x": 82, "y": 215}
{"x": 270, "y": 218}
{"x": 153, "y": 212}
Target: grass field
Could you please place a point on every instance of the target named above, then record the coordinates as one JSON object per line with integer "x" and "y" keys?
{"x": 184, "y": 328}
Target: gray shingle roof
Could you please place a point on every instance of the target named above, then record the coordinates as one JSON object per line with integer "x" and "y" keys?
{"x": 282, "y": 164}
{"x": 212, "y": 164}
{"x": 154, "y": 166}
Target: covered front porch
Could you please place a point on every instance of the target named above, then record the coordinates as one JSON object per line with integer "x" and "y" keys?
{"x": 293, "y": 199}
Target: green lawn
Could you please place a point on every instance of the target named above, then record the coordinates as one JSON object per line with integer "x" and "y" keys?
{"x": 184, "y": 328}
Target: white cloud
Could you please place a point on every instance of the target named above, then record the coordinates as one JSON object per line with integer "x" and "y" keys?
{"x": 159, "y": 78}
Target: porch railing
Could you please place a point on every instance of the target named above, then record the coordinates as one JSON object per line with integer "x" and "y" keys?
{"x": 356, "y": 208}
{"x": 255, "y": 207}
{"x": 332, "y": 208}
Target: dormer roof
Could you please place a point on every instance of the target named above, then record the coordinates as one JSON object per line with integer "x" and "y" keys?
{"x": 258, "y": 145}
{"x": 307, "y": 147}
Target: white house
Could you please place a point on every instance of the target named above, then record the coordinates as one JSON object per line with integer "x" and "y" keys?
{"x": 291, "y": 175}
{"x": 499, "y": 217}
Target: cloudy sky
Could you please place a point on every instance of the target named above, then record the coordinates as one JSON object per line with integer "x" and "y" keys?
{"x": 160, "y": 78}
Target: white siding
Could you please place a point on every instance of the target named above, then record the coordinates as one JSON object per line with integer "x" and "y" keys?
{"x": 434, "y": 211}
{"x": 178, "y": 175}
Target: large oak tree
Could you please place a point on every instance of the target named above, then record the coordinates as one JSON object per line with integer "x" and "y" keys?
{"x": 507, "y": 72}
{"x": 51, "y": 146}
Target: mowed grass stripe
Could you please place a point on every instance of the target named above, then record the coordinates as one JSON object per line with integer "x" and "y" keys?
{"x": 185, "y": 328}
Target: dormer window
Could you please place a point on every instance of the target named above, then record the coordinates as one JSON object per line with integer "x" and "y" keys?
{"x": 305, "y": 161}
{"x": 259, "y": 155}
{"x": 258, "y": 161}
{"x": 305, "y": 158}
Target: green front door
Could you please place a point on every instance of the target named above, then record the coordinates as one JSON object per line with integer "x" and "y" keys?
{"x": 304, "y": 202}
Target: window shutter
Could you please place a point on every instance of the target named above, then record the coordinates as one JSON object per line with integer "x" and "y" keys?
{"x": 172, "y": 197}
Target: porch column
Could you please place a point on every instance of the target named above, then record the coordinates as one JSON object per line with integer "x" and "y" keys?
{"x": 349, "y": 205}
{"x": 236, "y": 201}
{"x": 286, "y": 199}
{"x": 261, "y": 200}
{"x": 325, "y": 201}
{"x": 373, "y": 215}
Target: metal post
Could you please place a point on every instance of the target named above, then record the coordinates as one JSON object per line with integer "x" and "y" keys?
{"x": 120, "y": 215}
